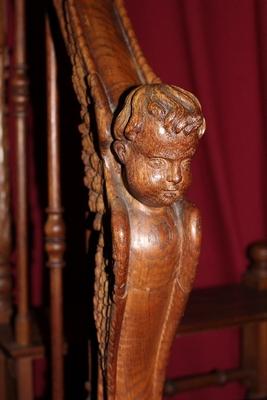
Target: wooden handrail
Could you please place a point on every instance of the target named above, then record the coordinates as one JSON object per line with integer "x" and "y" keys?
{"x": 217, "y": 378}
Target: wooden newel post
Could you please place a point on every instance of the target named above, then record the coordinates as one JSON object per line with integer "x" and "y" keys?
{"x": 256, "y": 275}
{"x": 255, "y": 334}
{"x": 55, "y": 227}
{"x": 137, "y": 170}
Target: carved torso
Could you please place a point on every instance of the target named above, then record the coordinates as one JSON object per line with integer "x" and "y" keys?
{"x": 155, "y": 242}
{"x": 156, "y": 237}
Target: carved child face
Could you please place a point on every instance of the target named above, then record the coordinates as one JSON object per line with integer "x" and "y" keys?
{"x": 157, "y": 164}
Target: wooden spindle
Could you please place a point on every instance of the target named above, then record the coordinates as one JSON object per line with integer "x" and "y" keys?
{"x": 55, "y": 228}
{"x": 20, "y": 108}
{"x": 5, "y": 223}
{"x": 20, "y": 98}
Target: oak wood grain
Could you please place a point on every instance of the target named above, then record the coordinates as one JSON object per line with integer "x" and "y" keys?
{"x": 138, "y": 137}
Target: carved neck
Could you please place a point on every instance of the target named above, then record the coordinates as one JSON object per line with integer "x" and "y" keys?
{"x": 157, "y": 211}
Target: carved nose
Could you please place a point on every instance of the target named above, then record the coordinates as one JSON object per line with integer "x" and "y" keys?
{"x": 175, "y": 174}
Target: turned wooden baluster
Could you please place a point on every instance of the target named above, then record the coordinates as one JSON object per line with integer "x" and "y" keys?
{"x": 54, "y": 228}
{"x": 20, "y": 106}
{"x": 5, "y": 238}
{"x": 20, "y": 110}
{"x": 255, "y": 334}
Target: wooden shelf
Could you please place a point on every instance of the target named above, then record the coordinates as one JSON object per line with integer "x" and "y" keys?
{"x": 223, "y": 306}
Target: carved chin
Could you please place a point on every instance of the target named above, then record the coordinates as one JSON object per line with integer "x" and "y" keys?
{"x": 162, "y": 199}
{"x": 170, "y": 196}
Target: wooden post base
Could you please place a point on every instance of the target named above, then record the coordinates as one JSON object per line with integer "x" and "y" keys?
{"x": 255, "y": 334}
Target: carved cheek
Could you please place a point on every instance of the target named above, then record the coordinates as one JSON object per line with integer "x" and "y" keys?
{"x": 135, "y": 175}
{"x": 149, "y": 177}
{"x": 157, "y": 177}
{"x": 187, "y": 176}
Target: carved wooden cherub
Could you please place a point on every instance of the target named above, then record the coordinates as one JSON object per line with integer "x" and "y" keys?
{"x": 137, "y": 170}
{"x": 155, "y": 233}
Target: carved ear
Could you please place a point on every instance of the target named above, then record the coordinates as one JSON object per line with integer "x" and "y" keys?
{"x": 201, "y": 130}
{"x": 122, "y": 150}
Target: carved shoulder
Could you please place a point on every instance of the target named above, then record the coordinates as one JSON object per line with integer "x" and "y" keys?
{"x": 191, "y": 245}
{"x": 120, "y": 232}
{"x": 192, "y": 225}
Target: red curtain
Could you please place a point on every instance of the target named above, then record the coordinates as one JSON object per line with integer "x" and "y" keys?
{"x": 215, "y": 48}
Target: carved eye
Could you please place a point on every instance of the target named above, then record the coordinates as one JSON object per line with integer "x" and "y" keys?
{"x": 156, "y": 162}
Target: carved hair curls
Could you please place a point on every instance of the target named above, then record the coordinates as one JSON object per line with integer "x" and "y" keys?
{"x": 177, "y": 109}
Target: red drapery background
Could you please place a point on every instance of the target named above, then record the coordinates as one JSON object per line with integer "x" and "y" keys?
{"x": 217, "y": 50}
